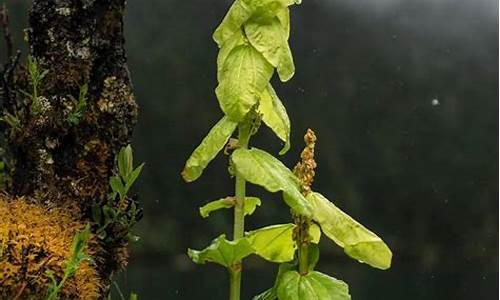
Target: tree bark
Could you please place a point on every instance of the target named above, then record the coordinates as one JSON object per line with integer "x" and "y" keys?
{"x": 55, "y": 163}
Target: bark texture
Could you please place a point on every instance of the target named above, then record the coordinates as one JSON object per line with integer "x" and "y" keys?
{"x": 53, "y": 162}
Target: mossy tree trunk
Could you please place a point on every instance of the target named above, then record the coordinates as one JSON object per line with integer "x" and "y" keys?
{"x": 55, "y": 162}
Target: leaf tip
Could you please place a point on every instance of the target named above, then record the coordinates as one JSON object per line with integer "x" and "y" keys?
{"x": 186, "y": 176}
{"x": 285, "y": 149}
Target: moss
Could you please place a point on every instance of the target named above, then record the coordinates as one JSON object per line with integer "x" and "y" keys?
{"x": 33, "y": 240}
{"x": 56, "y": 164}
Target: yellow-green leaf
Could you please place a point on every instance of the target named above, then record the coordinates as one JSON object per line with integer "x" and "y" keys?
{"x": 269, "y": 294}
{"x": 242, "y": 10}
{"x": 315, "y": 233}
{"x": 208, "y": 149}
{"x": 237, "y": 39}
{"x": 261, "y": 168}
{"x": 274, "y": 243}
{"x": 358, "y": 242}
{"x": 244, "y": 76}
{"x": 313, "y": 286}
{"x": 251, "y": 204}
{"x": 284, "y": 16}
{"x": 268, "y": 38}
{"x": 238, "y": 13}
{"x": 286, "y": 66}
{"x": 275, "y": 116}
{"x": 222, "y": 251}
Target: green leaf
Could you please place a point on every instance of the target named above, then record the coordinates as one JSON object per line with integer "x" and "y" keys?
{"x": 358, "y": 242}
{"x": 244, "y": 76}
{"x": 263, "y": 10}
{"x": 275, "y": 116}
{"x": 208, "y": 149}
{"x": 274, "y": 243}
{"x": 286, "y": 66}
{"x": 269, "y": 294}
{"x": 283, "y": 16}
{"x": 312, "y": 256}
{"x": 242, "y": 10}
{"x": 206, "y": 209}
{"x": 261, "y": 168}
{"x": 315, "y": 233}
{"x": 133, "y": 296}
{"x": 117, "y": 185}
{"x": 77, "y": 251}
{"x": 268, "y": 38}
{"x": 222, "y": 251}
{"x": 237, "y": 39}
{"x": 132, "y": 177}
{"x": 238, "y": 14}
{"x": 125, "y": 161}
{"x": 251, "y": 204}
{"x": 313, "y": 286}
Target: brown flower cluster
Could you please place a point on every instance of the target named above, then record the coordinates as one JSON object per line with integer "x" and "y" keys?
{"x": 304, "y": 170}
{"x": 34, "y": 240}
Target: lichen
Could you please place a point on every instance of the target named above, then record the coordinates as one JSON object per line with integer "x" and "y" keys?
{"x": 34, "y": 240}
{"x": 63, "y": 11}
{"x": 114, "y": 96}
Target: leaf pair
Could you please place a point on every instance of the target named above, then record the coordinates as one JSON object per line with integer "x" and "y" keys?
{"x": 251, "y": 204}
{"x": 80, "y": 106}
{"x": 127, "y": 175}
{"x": 222, "y": 251}
{"x": 274, "y": 243}
{"x": 243, "y": 10}
{"x": 313, "y": 286}
{"x": 253, "y": 40}
{"x": 263, "y": 169}
{"x": 291, "y": 285}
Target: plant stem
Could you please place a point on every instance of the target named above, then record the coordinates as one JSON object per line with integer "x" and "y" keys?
{"x": 235, "y": 286}
{"x": 239, "y": 216}
{"x": 303, "y": 246}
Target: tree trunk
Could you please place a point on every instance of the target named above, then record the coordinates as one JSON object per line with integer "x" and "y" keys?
{"x": 58, "y": 162}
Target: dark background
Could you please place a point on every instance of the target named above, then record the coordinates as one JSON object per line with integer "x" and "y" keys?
{"x": 403, "y": 96}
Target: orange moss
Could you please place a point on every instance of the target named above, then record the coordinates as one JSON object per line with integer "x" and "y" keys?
{"x": 33, "y": 240}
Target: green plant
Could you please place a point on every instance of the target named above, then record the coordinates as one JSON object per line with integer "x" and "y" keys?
{"x": 80, "y": 106}
{"x": 12, "y": 120}
{"x": 77, "y": 257}
{"x": 253, "y": 41}
{"x": 120, "y": 213}
{"x": 35, "y": 76}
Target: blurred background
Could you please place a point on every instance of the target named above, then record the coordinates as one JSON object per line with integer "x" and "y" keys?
{"x": 403, "y": 97}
